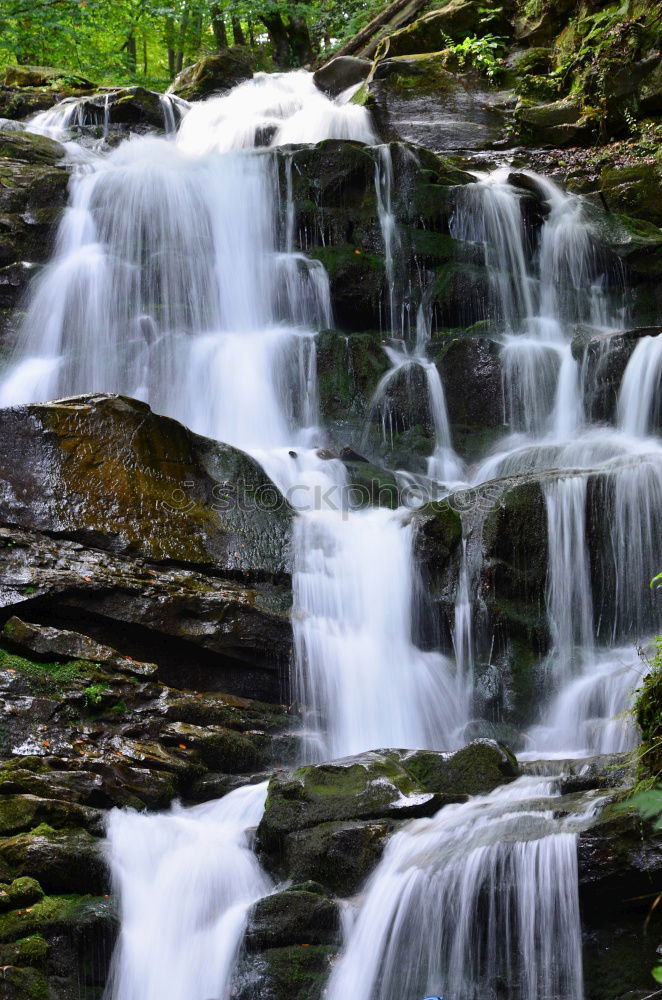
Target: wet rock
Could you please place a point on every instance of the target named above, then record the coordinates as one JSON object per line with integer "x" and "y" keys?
{"x": 206, "y": 632}
{"x": 295, "y": 973}
{"x": 634, "y": 190}
{"x": 294, "y": 917}
{"x": 33, "y": 194}
{"x": 605, "y": 358}
{"x": 20, "y": 893}
{"x": 214, "y": 74}
{"x": 220, "y": 749}
{"x": 67, "y": 861}
{"x": 477, "y": 769}
{"x": 373, "y": 785}
{"x": 422, "y": 99}
{"x": 123, "y": 478}
{"x": 339, "y": 855}
{"x": 341, "y": 73}
{"x": 23, "y": 812}
{"x": 53, "y": 643}
{"x": 22, "y": 984}
{"x": 471, "y": 372}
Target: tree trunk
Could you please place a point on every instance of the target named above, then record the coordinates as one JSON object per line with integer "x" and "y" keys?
{"x": 238, "y": 32}
{"x": 144, "y": 54}
{"x": 131, "y": 51}
{"x": 170, "y": 46}
{"x": 300, "y": 43}
{"x": 361, "y": 39}
{"x": 183, "y": 26}
{"x": 280, "y": 42}
{"x": 218, "y": 27}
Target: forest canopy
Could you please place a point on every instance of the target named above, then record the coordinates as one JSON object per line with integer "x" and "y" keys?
{"x": 148, "y": 41}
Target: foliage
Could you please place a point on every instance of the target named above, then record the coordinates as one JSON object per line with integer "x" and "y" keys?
{"x": 94, "y": 694}
{"x": 484, "y": 53}
{"x": 148, "y": 41}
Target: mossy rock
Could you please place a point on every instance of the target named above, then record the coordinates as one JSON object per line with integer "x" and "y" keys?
{"x": 456, "y": 19}
{"x": 477, "y": 769}
{"x": 294, "y": 917}
{"x": 372, "y": 785}
{"x": 63, "y": 861}
{"x": 49, "y": 916}
{"x": 31, "y": 951}
{"x": 123, "y": 474}
{"x": 299, "y": 972}
{"x": 20, "y": 893}
{"x": 219, "y": 748}
{"x": 338, "y": 855}
{"x": 214, "y": 74}
{"x": 26, "y": 147}
{"x": 634, "y": 190}
{"x": 648, "y": 707}
{"x": 43, "y": 76}
{"x": 23, "y": 984}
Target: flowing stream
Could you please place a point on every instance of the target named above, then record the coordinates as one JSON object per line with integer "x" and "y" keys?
{"x": 175, "y": 280}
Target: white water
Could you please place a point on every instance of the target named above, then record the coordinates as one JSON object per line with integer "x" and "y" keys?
{"x": 186, "y": 880}
{"x": 479, "y": 901}
{"x": 174, "y": 280}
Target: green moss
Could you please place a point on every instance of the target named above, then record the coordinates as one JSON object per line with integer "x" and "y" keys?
{"x": 648, "y": 712}
{"x": 50, "y": 675}
{"x": 298, "y": 972}
{"x": 48, "y": 914}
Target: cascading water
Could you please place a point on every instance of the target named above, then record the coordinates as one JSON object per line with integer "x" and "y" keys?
{"x": 174, "y": 281}
{"x": 479, "y": 901}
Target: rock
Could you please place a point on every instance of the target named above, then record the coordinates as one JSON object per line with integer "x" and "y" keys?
{"x": 371, "y": 786}
{"x": 214, "y": 74}
{"x": 67, "y": 861}
{"x": 634, "y": 190}
{"x": 43, "y": 76}
{"x": 23, "y": 812}
{"x": 637, "y": 243}
{"x": 220, "y": 749}
{"x": 375, "y": 785}
{"x": 123, "y": 474}
{"x": 340, "y": 73}
{"x": 605, "y": 357}
{"x": 295, "y": 973}
{"x": 33, "y": 194}
{"x": 472, "y": 375}
{"x": 23, "y": 984}
{"x": 53, "y": 643}
{"x": 294, "y": 917}
{"x": 556, "y": 123}
{"x": 456, "y": 19}
{"x": 20, "y": 893}
{"x": 420, "y": 99}
{"x": 477, "y": 769}
{"x": 339, "y": 855}
{"x": 206, "y": 632}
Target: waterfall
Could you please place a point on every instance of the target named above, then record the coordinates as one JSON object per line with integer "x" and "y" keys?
{"x": 176, "y": 280}
{"x": 185, "y": 880}
{"x": 479, "y": 901}
{"x": 638, "y": 401}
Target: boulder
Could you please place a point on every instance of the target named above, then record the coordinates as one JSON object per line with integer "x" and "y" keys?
{"x": 634, "y": 190}
{"x": 605, "y": 357}
{"x": 20, "y": 893}
{"x": 556, "y": 123}
{"x": 422, "y": 99}
{"x": 341, "y": 73}
{"x": 340, "y": 855}
{"x": 43, "y": 76}
{"x": 299, "y": 972}
{"x": 108, "y": 471}
{"x": 295, "y": 917}
{"x": 214, "y": 74}
{"x": 63, "y": 861}
{"x": 472, "y": 375}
